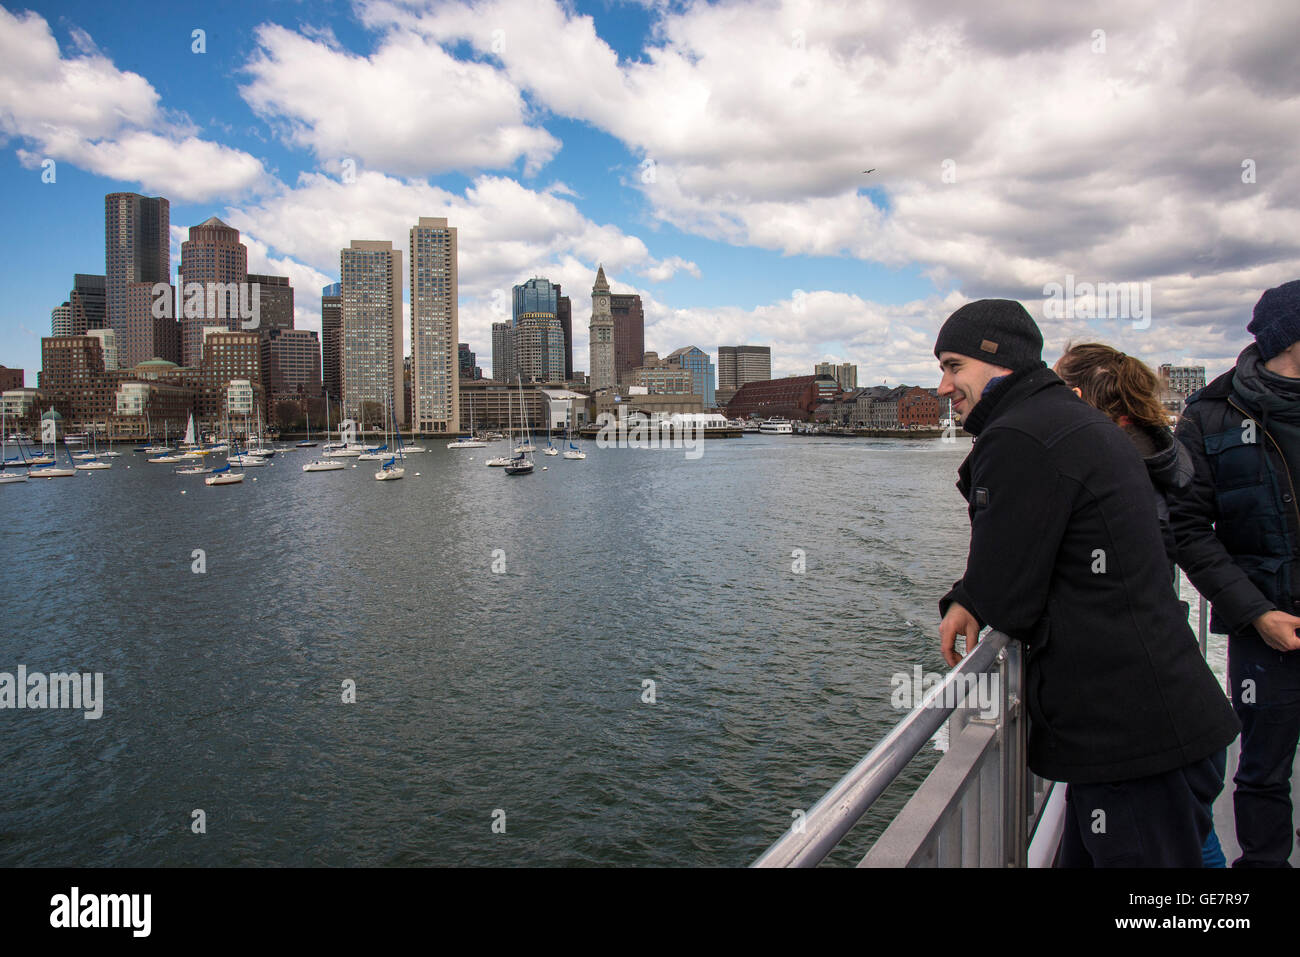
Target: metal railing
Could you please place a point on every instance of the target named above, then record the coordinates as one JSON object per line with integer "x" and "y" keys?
{"x": 979, "y": 806}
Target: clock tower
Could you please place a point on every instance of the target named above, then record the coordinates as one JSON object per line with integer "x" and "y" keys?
{"x": 601, "y": 332}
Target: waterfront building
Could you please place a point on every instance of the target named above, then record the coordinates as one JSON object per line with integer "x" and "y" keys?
{"x": 793, "y": 397}
{"x": 331, "y": 325}
{"x": 629, "y": 332}
{"x": 662, "y": 377}
{"x": 372, "y": 343}
{"x": 214, "y": 257}
{"x": 435, "y": 326}
{"x": 503, "y": 368}
{"x": 291, "y": 363}
{"x": 148, "y": 335}
{"x": 489, "y": 404}
{"x": 701, "y": 366}
{"x": 108, "y": 343}
{"x": 137, "y": 250}
{"x": 61, "y": 320}
{"x": 740, "y": 364}
{"x": 227, "y": 356}
{"x": 630, "y": 400}
{"x": 11, "y": 378}
{"x": 20, "y": 407}
{"x": 845, "y": 373}
{"x": 601, "y": 332}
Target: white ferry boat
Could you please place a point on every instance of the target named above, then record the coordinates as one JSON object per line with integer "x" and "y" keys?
{"x": 777, "y": 427}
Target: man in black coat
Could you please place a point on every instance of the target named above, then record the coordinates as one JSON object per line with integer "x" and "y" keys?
{"x": 1238, "y": 532}
{"x": 1066, "y": 557}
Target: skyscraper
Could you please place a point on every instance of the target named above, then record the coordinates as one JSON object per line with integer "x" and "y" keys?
{"x": 538, "y": 337}
{"x": 502, "y": 352}
{"x": 331, "y": 333}
{"x": 371, "y": 338}
{"x": 564, "y": 311}
{"x": 435, "y": 326}
{"x": 601, "y": 330}
{"x": 214, "y": 257}
{"x": 136, "y": 250}
{"x": 275, "y": 303}
{"x": 88, "y": 304}
{"x": 629, "y": 332}
{"x": 844, "y": 373}
{"x": 740, "y": 364}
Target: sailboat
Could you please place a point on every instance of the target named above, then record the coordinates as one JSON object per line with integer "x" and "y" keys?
{"x": 470, "y": 441}
{"x": 308, "y": 443}
{"x": 10, "y": 478}
{"x": 521, "y": 464}
{"x": 53, "y": 471}
{"x": 391, "y": 470}
{"x": 223, "y": 475}
{"x": 92, "y": 463}
{"x": 572, "y": 452}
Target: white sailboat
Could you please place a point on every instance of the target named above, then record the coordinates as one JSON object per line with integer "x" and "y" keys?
{"x": 224, "y": 475}
{"x": 7, "y": 478}
{"x": 53, "y": 471}
{"x": 572, "y": 452}
{"x": 470, "y": 441}
{"x": 390, "y": 470}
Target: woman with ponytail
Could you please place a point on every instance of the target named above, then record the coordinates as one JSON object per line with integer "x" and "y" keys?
{"x": 1127, "y": 391}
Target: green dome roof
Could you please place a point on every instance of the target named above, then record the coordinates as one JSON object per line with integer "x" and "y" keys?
{"x": 158, "y": 363}
{"x": 51, "y": 415}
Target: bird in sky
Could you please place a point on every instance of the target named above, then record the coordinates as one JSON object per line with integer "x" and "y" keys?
{"x": 872, "y": 170}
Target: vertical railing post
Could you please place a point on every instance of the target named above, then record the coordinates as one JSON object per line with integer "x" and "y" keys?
{"x": 1203, "y": 626}
{"x": 1015, "y": 781}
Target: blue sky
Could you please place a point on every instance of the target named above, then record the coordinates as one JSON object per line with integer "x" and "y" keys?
{"x": 709, "y": 154}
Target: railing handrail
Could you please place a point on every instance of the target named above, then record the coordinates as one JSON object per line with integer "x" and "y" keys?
{"x": 809, "y": 840}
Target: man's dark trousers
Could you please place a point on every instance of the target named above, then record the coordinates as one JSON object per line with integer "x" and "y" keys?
{"x": 1270, "y": 728}
{"x": 1174, "y": 807}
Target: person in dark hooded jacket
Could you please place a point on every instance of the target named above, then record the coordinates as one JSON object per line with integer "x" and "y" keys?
{"x": 1238, "y": 532}
{"x": 1126, "y": 390}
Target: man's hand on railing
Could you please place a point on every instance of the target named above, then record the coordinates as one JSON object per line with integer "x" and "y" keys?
{"x": 1278, "y": 629}
{"x": 958, "y": 621}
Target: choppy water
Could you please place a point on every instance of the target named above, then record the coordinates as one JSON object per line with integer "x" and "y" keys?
{"x": 476, "y": 692}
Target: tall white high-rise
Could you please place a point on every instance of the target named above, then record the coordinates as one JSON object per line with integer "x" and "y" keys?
{"x": 371, "y": 337}
{"x": 435, "y": 327}
{"x": 601, "y": 331}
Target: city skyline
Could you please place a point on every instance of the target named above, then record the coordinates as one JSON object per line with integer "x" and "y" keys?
{"x": 922, "y": 191}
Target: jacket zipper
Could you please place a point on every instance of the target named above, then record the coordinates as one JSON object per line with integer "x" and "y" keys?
{"x": 1285, "y": 467}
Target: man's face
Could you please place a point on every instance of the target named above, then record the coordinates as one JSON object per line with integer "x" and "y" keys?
{"x": 964, "y": 379}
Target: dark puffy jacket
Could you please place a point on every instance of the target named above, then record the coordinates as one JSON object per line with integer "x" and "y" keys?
{"x": 1066, "y": 557}
{"x": 1237, "y": 526}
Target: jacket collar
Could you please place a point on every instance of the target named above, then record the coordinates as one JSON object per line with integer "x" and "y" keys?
{"x": 1006, "y": 393}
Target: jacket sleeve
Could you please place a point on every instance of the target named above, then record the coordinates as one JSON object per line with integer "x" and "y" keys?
{"x": 1208, "y": 564}
{"x": 1016, "y": 532}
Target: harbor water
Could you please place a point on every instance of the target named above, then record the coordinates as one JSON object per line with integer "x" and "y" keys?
{"x": 643, "y": 658}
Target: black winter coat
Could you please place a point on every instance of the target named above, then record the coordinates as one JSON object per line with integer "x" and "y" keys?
{"x": 1066, "y": 557}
